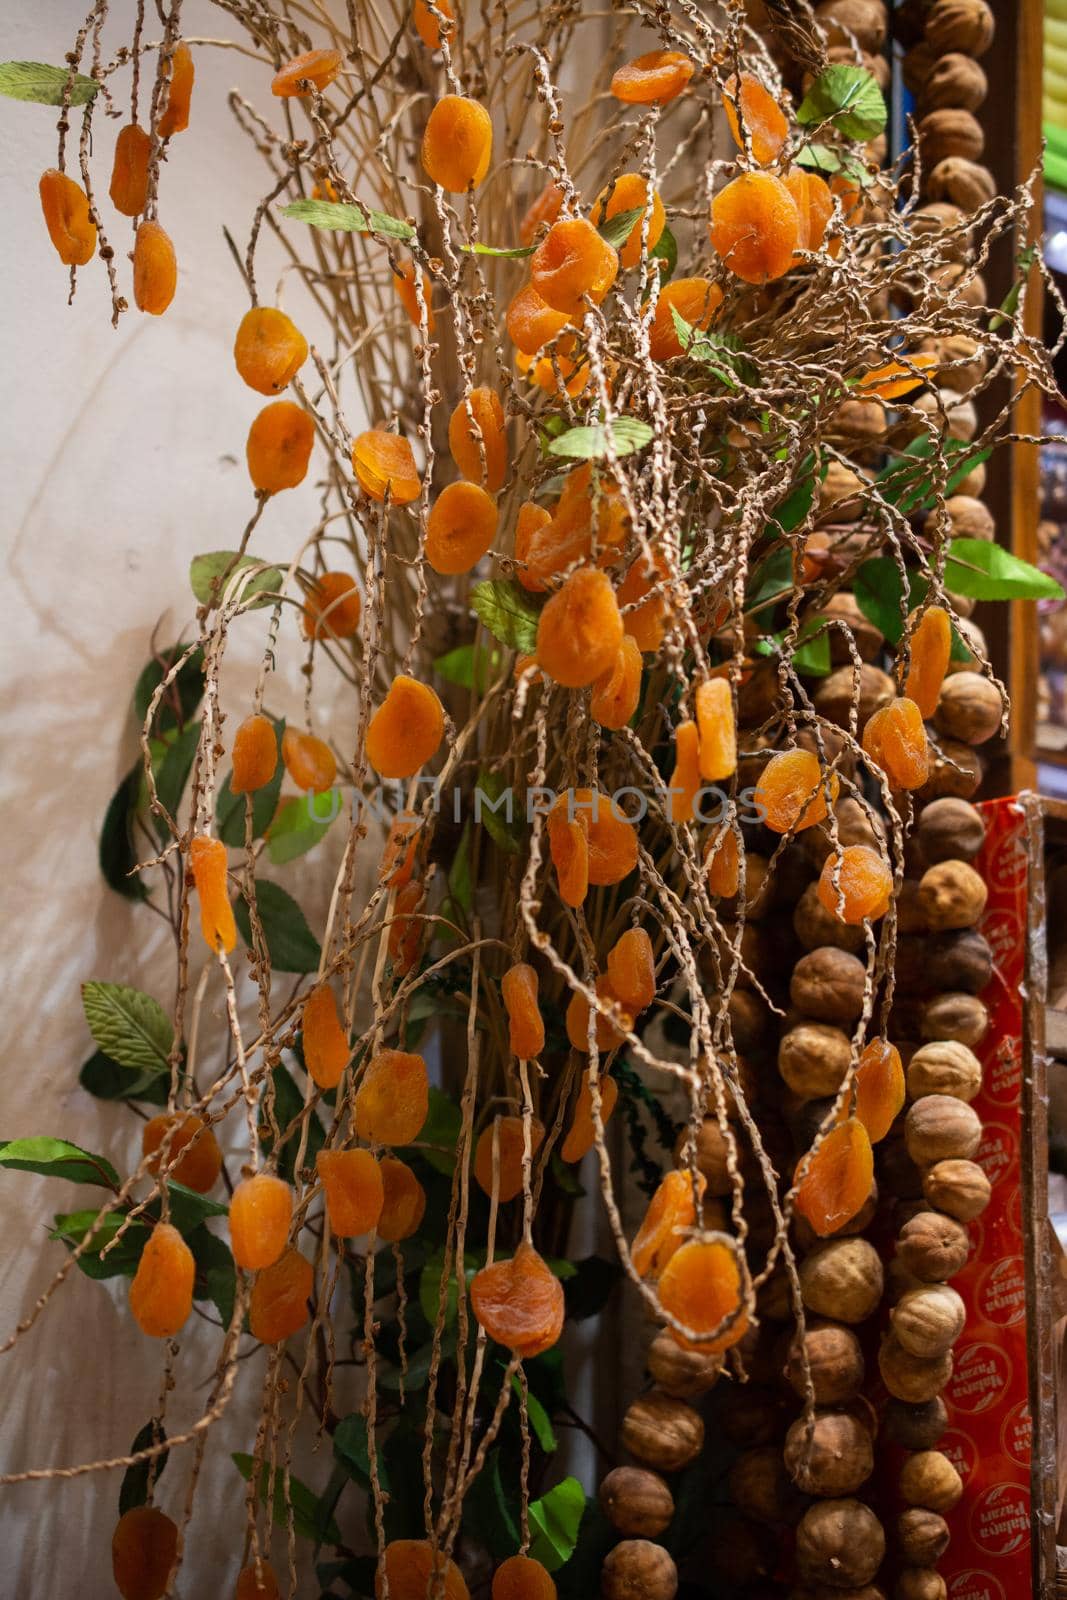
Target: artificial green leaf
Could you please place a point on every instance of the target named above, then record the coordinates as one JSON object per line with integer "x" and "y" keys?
{"x": 794, "y": 508}
{"x": 173, "y": 773}
{"x": 344, "y": 218}
{"x": 36, "y": 80}
{"x": 879, "y": 594}
{"x": 208, "y": 585}
{"x": 555, "y": 1520}
{"x": 134, "y": 1489}
{"x": 230, "y": 808}
{"x": 441, "y": 1129}
{"x": 216, "y": 1275}
{"x": 540, "y": 1421}
{"x": 1010, "y": 303}
{"x": 460, "y": 882}
{"x": 623, "y": 435}
{"x": 508, "y": 613}
{"x": 181, "y": 697}
{"x": 850, "y": 98}
{"x": 290, "y": 942}
{"x": 430, "y": 1285}
{"x": 118, "y": 853}
{"x": 489, "y": 1511}
{"x": 903, "y": 483}
{"x": 352, "y": 1449}
{"x": 104, "y": 1078}
{"x": 580, "y": 1578}
{"x": 57, "y": 1158}
{"x": 824, "y": 158}
{"x": 722, "y": 353}
{"x": 772, "y": 578}
{"x": 302, "y": 822}
{"x": 986, "y": 571}
{"x": 304, "y": 1503}
{"x": 188, "y": 1209}
{"x": 665, "y": 250}
{"x": 121, "y": 1261}
{"x": 497, "y": 813}
{"x": 288, "y": 1105}
{"x": 130, "y": 1027}
{"x": 502, "y": 252}
{"x": 617, "y": 229}
{"x": 469, "y": 665}
{"x": 813, "y": 656}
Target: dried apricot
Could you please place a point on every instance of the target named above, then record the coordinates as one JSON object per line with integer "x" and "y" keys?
{"x": 175, "y": 115}
{"x": 895, "y": 739}
{"x": 880, "y": 1088}
{"x": 67, "y": 218}
{"x": 612, "y": 836}
{"x": 405, "y": 934}
{"x": 155, "y": 269}
{"x": 930, "y": 648}
{"x": 531, "y": 323}
{"x": 279, "y": 447}
{"x": 522, "y": 1578}
{"x": 354, "y": 1188}
{"x": 392, "y": 1101}
{"x": 308, "y": 761}
{"x": 580, "y": 630}
{"x": 755, "y": 227}
{"x": 414, "y": 1571}
{"x": 326, "y": 1047}
{"x": 510, "y": 1145}
{"x": 608, "y": 1035}
{"x": 837, "y": 1179}
{"x": 572, "y": 262}
{"x": 280, "y": 1294}
{"x": 161, "y": 1294}
{"x": 685, "y": 778}
{"x": 406, "y": 729}
{"x": 398, "y": 858}
{"x": 427, "y": 26}
{"x": 647, "y": 622}
{"x": 314, "y": 69}
{"x": 864, "y": 887}
{"x": 652, "y": 79}
{"x": 581, "y": 1134}
{"x": 333, "y": 607}
{"x": 815, "y": 207}
{"x": 404, "y": 281}
{"x": 568, "y": 844}
{"x": 193, "y": 1153}
{"x": 696, "y": 301}
{"x": 753, "y": 111}
{"x": 629, "y": 192}
{"x": 384, "y": 464}
{"x": 404, "y": 1204}
{"x": 896, "y": 379}
{"x": 519, "y": 1303}
{"x": 460, "y": 528}
{"x": 671, "y": 1213}
{"x": 257, "y": 1585}
{"x": 593, "y": 503}
{"x": 791, "y": 792}
{"x": 261, "y": 1214}
{"x": 701, "y": 1287}
{"x": 616, "y": 694}
{"x": 269, "y": 349}
{"x": 544, "y": 209}
{"x": 129, "y": 171}
{"x": 144, "y": 1548}
{"x": 207, "y": 862}
{"x": 526, "y": 1028}
{"x": 632, "y": 969}
{"x": 559, "y": 373}
{"x": 457, "y": 144}
{"x": 715, "y": 723}
{"x": 722, "y": 859}
{"x": 477, "y": 438}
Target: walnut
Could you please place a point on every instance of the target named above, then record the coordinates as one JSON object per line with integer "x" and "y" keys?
{"x": 662, "y": 1432}
{"x": 840, "y": 1543}
{"x": 961, "y": 1017}
{"x": 759, "y": 1484}
{"x": 837, "y": 1457}
{"x": 637, "y": 1569}
{"x": 948, "y": 222}
{"x": 870, "y": 685}
{"x": 842, "y": 1278}
{"x": 963, "y": 25}
{"x": 933, "y": 1248}
{"x": 955, "y": 769}
{"x": 959, "y": 1187}
{"x": 917, "y": 65}
{"x": 835, "y": 1363}
{"x": 953, "y": 80}
{"x": 969, "y": 708}
{"x": 814, "y": 1058}
{"x": 829, "y": 984}
{"x": 950, "y": 131}
{"x": 961, "y": 961}
{"x": 920, "y": 1583}
{"x": 974, "y": 483}
{"x": 912, "y": 1378}
{"x": 929, "y": 1479}
{"x": 944, "y": 1067}
{"x": 952, "y": 895}
{"x": 950, "y": 830}
{"x": 960, "y": 285}
{"x": 853, "y": 22}
{"x": 711, "y": 1154}
{"x": 922, "y": 1537}
{"x": 683, "y": 1374}
{"x": 928, "y": 1321}
{"x": 815, "y": 926}
{"x": 960, "y": 182}
{"x": 861, "y": 425}
{"x": 939, "y": 1128}
{"x": 854, "y": 826}
{"x": 637, "y": 1503}
{"x": 975, "y": 641}
{"x": 749, "y": 1019}
{"x": 841, "y": 494}
{"x": 954, "y": 417}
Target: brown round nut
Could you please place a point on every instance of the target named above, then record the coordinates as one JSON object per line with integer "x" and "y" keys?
{"x": 834, "y": 697}
{"x": 840, "y": 1543}
{"x": 683, "y": 1374}
{"x": 950, "y": 830}
{"x": 940, "y": 1128}
{"x": 961, "y": 361}
{"x": 950, "y": 131}
{"x": 917, "y": 66}
{"x": 836, "y": 1459}
{"x": 970, "y": 518}
{"x": 928, "y": 1321}
{"x": 842, "y": 1278}
{"x": 929, "y": 1479}
{"x": 852, "y": 22}
{"x": 963, "y": 25}
{"x": 962, "y": 961}
{"x": 954, "y": 79}
{"x": 712, "y": 1153}
{"x": 946, "y": 1067}
{"x": 662, "y": 1432}
{"x": 922, "y": 1537}
{"x": 862, "y": 423}
{"x": 955, "y": 769}
{"x": 835, "y": 1363}
{"x": 961, "y": 1017}
{"x": 931, "y": 1247}
{"x": 920, "y": 1583}
{"x": 749, "y": 1019}
{"x": 963, "y": 183}
{"x": 829, "y": 984}
{"x": 916, "y": 1427}
{"x": 759, "y": 1484}
{"x": 636, "y": 1503}
{"x": 974, "y": 483}
{"x": 952, "y": 895}
{"x": 959, "y": 1187}
{"x": 815, "y": 926}
{"x": 974, "y": 640}
{"x": 637, "y": 1569}
{"x": 909, "y": 1377}
{"x": 840, "y": 495}
{"x": 970, "y": 708}
{"x": 814, "y": 1059}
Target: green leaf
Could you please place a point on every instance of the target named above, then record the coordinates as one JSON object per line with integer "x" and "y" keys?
{"x": 665, "y": 249}
{"x": 903, "y": 483}
{"x": 442, "y": 1129}
{"x": 540, "y": 1421}
{"x": 230, "y": 807}
{"x": 722, "y": 353}
{"x": 302, "y": 822}
{"x": 182, "y": 696}
{"x": 880, "y": 596}
{"x": 121, "y": 1262}
{"x": 344, "y": 218}
{"x": 794, "y": 509}
{"x": 174, "y": 771}
{"x": 489, "y": 1514}
{"x": 460, "y": 882}
{"x": 501, "y": 252}
{"x": 290, "y": 942}
{"x": 430, "y": 1285}
{"x": 130, "y": 1027}
{"x": 352, "y": 1450}
{"x": 813, "y": 656}
{"x": 216, "y": 1275}
{"x": 36, "y": 80}
{"x": 850, "y": 98}
{"x": 303, "y": 1501}
{"x": 288, "y": 1104}
{"x": 188, "y": 1209}
{"x": 104, "y": 1078}
{"x": 1010, "y": 303}
{"x": 134, "y": 1489}
{"x": 554, "y": 1522}
{"x": 118, "y": 853}
{"x": 508, "y": 613}
{"x": 624, "y": 435}
{"x": 469, "y": 665}
{"x": 589, "y": 1290}
{"x": 772, "y": 578}
{"x": 205, "y": 577}
{"x": 617, "y": 229}
{"x": 823, "y": 158}
{"x": 986, "y": 571}
{"x": 506, "y": 831}
{"x": 57, "y": 1158}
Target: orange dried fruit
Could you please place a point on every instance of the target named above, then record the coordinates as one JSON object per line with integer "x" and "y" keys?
{"x": 460, "y": 528}
{"x": 612, "y": 837}
{"x": 714, "y": 708}
{"x": 333, "y": 607}
{"x": 701, "y": 1287}
{"x": 510, "y": 1146}
{"x": 572, "y": 262}
{"x": 791, "y": 792}
{"x": 671, "y": 1213}
{"x": 532, "y": 519}
{"x": 129, "y": 171}
{"x": 544, "y": 209}
{"x": 398, "y": 858}
{"x": 608, "y": 1035}
{"x": 838, "y": 1178}
{"x": 632, "y": 970}
{"x": 392, "y": 1101}
{"x": 404, "y": 1204}
{"x": 457, "y": 144}
{"x": 384, "y": 464}
{"x": 647, "y": 622}
{"x": 67, "y": 218}
{"x": 314, "y": 69}
{"x": 269, "y": 349}
{"x": 207, "y": 863}
{"x": 404, "y": 282}
{"x": 175, "y": 115}
{"x": 531, "y": 323}
{"x": 308, "y": 761}
{"x": 685, "y": 779}
{"x": 279, "y": 447}
{"x": 580, "y": 630}
{"x": 519, "y": 1303}
{"x": 616, "y": 693}
{"x": 155, "y": 269}
{"x": 865, "y": 884}
{"x": 897, "y": 379}
{"x": 354, "y": 1188}
{"x": 755, "y": 227}
{"x": 722, "y": 859}
{"x": 193, "y": 1153}
{"x": 652, "y": 79}
{"x": 568, "y": 844}
{"x": 405, "y": 934}
{"x": 427, "y": 26}
{"x": 696, "y": 301}
{"x": 406, "y": 729}
{"x": 815, "y": 207}
{"x": 280, "y": 1294}
{"x": 326, "y": 1047}
{"x": 414, "y": 1571}
{"x": 526, "y": 1028}
{"x": 930, "y": 648}
{"x": 880, "y": 1088}
{"x": 629, "y": 192}
{"x": 257, "y": 1585}
{"x": 161, "y": 1294}
{"x": 261, "y": 1214}
{"x": 522, "y": 1578}
{"x": 482, "y": 455}
{"x": 895, "y": 740}
{"x": 581, "y": 1135}
{"x": 753, "y": 111}
{"x": 144, "y": 1548}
